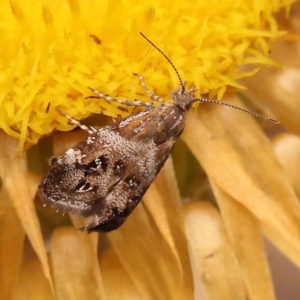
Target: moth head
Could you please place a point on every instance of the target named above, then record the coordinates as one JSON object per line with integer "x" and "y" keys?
{"x": 183, "y": 98}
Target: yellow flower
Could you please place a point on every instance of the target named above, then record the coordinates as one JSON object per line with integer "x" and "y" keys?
{"x": 52, "y": 52}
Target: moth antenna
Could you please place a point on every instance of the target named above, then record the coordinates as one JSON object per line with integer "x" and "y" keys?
{"x": 205, "y": 100}
{"x": 182, "y": 85}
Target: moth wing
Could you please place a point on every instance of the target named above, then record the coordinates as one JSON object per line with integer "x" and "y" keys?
{"x": 86, "y": 173}
{"x": 105, "y": 176}
{"x": 114, "y": 209}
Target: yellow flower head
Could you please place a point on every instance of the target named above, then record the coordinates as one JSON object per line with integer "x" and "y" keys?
{"x": 53, "y": 50}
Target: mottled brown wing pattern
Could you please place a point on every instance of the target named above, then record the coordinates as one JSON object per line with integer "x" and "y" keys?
{"x": 114, "y": 209}
{"x": 105, "y": 176}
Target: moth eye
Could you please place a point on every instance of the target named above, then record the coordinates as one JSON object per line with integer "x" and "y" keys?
{"x": 101, "y": 161}
{"x": 119, "y": 167}
{"x": 132, "y": 181}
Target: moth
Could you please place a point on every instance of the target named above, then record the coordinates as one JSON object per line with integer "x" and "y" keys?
{"x": 104, "y": 177}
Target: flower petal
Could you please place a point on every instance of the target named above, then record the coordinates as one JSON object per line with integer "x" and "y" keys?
{"x": 245, "y": 234}
{"x": 32, "y": 283}
{"x": 18, "y": 182}
{"x": 213, "y": 253}
{"x": 238, "y": 157}
{"x": 114, "y": 272}
{"x": 279, "y": 94}
{"x": 11, "y": 245}
{"x": 71, "y": 256}
{"x": 287, "y": 149}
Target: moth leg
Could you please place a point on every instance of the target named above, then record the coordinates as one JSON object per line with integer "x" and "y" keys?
{"x": 150, "y": 94}
{"x": 123, "y": 102}
{"x": 90, "y": 130}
